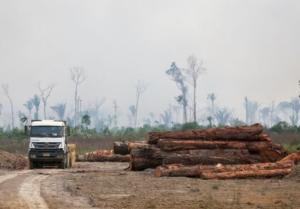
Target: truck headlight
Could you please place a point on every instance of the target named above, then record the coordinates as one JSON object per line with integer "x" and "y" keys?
{"x": 60, "y": 146}
{"x": 32, "y": 145}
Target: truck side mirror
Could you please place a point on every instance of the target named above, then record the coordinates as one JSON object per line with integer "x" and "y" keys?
{"x": 68, "y": 131}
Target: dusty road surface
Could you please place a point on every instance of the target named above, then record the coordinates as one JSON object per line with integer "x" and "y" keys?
{"x": 109, "y": 186}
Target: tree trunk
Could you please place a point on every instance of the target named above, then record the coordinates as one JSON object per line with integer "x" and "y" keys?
{"x": 226, "y": 171}
{"x": 45, "y": 117}
{"x": 294, "y": 157}
{"x": 12, "y": 114}
{"x": 175, "y": 145}
{"x": 151, "y": 157}
{"x": 121, "y": 148}
{"x": 247, "y": 133}
{"x": 75, "y": 105}
{"x": 105, "y": 156}
{"x": 124, "y": 147}
{"x": 139, "y": 144}
{"x": 247, "y": 174}
{"x": 195, "y": 101}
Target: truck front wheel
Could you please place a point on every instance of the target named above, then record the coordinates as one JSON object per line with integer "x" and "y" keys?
{"x": 64, "y": 163}
{"x": 32, "y": 165}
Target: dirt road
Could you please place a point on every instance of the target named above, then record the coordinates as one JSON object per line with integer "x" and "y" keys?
{"x": 108, "y": 186}
{"x": 38, "y": 189}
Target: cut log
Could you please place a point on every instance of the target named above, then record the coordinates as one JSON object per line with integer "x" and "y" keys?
{"x": 246, "y": 174}
{"x": 272, "y": 153}
{"x": 174, "y": 145}
{"x": 247, "y": 133}
{"x": 121, "y": 147}
{"x": 211, "y": 157}
{"x": 104, "y": 156}
{"x": 152, "y": 157}
{"x": 108, "y": 158}
{"x": 135, "y": 145}
{"x": 224, "y": 171}
{"x": 294, "y": 157}
{"x": 145, "y": 157}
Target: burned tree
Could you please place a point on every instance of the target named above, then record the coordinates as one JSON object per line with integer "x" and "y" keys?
{"x": 5, "y": 88}
{"x": 29, "y": 107}
{"x": 140, "y": 89}
{"x": 60, "y": 110}
{"x": 45, "y": 94}
{"x": 177, "y": 76}
{"x": 78, "y": 77}
{"x": 251, "y": 108}
{"x": 115, "y": 117}
{"x": 36, "y": 103}
{"x": 195, "y": 68}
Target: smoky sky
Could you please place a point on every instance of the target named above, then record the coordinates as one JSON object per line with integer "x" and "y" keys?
{"x": 249, "y": 48}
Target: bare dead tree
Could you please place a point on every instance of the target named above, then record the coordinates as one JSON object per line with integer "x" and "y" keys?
{"x": 115, "y": 117}
{"x": 5, "y": 88}
{"x": 177, "y": 76}
{"x": 78, "y": 77}
{"x": 45, "y": 94}
{"x": 140, "y": 89}
{"x": 195, "y": 68}
{"x": 212, "y": 98}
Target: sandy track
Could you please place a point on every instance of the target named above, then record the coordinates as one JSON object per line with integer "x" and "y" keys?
{"x": 39, "y": 189}
{"x": 30, "y": 192}
{"x": 12, "y": 175}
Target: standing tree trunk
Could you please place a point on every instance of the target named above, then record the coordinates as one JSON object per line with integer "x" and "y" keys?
{"x": 140, "y": 89}
{"x": 77, "y": 76}
{"x": 6, "y": 92}
{"x": 45, "y": 94}
{"x": 195, "y": 101}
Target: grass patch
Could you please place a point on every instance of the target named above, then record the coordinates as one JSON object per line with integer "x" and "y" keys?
{"x": 293, "y": 146}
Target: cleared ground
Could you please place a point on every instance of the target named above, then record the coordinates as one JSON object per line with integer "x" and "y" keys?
{"x": 108, "y": 185}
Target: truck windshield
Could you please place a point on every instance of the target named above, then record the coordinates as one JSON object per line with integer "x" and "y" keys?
{"x": 47, "y": 131}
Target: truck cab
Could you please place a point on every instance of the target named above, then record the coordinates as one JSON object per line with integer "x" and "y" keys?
{"x": 48, "y": 143}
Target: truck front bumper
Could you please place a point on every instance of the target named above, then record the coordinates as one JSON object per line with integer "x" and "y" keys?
{"x": 49, "y": 155}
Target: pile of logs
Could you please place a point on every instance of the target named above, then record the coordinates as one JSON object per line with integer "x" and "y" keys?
{"x": 214, "y": 153}
{"x": 120, "y": 153}
{"x": 103, "y": 156}
{"x": 125, "y": 147}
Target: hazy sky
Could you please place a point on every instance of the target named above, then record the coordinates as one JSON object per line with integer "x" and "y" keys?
{"x": 250, "y": 48}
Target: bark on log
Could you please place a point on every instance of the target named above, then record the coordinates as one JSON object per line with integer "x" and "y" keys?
{"x": 145, "y": 157}
{"x": 135, "y": 145}
{"x": 223, "y": 171}
{"x": 152, "y": 157}
{"x": 247, "y": 133}
{"x": 175, "y": 145}
{"x": 294, "y": 157}
{"x": 108, "y": 158}
{"x": 272, "y": 153}
{"x": 246, "y": 174}
{"x": 104, "y": 156}
{"x": 121, "y": 147}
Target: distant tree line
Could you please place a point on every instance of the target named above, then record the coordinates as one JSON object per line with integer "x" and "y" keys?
{"x": 184, "y": 111}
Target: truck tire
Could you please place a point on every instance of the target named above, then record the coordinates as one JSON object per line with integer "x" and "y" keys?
{"x": 31, "y": 164}
{"x": 63, "y": 163}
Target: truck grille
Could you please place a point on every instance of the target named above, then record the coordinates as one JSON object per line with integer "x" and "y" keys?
{"x": 46, "y": 145}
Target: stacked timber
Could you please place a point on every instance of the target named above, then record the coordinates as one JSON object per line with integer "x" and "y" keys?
{"x": 120, "y": 153}
{"x": 103, "y": 156}
{"x": 232, "y": 146}
{"x": 280, "y": 168}
{"x": 124, "y": 147}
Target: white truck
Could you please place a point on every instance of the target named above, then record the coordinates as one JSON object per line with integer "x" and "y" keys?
{"x": 48, "y": 143}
